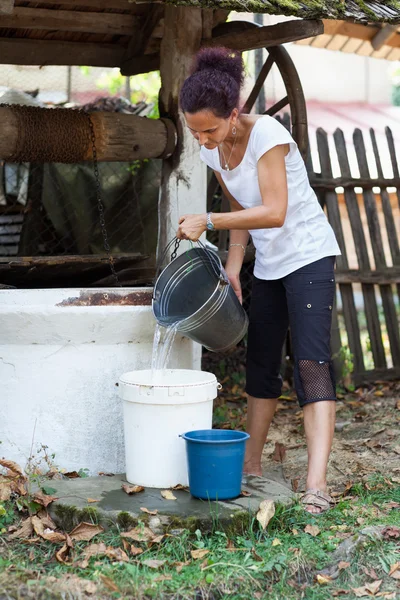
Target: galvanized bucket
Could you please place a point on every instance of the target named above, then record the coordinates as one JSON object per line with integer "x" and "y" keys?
{"x": 194, "y": 292}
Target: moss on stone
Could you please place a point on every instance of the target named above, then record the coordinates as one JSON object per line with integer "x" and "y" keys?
{"x": 67, "y": 517}
{"x": 90, "y": 514}
{"x": 125, "y": 521}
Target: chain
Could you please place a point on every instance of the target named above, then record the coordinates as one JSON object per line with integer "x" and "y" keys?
{"x": 176, "y": 248}
{"x": 100, "y": 205}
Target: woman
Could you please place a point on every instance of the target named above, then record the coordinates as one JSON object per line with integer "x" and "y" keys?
{"x": 261, "y": 172}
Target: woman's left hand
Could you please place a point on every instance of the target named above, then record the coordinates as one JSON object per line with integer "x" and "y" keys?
{"x": 191, "y": 227}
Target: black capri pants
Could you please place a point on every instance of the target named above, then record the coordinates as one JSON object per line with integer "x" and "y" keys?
{"x": 304, "y": 300}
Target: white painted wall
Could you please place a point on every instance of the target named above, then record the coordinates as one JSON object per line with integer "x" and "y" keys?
{"x": 58, "y": 370}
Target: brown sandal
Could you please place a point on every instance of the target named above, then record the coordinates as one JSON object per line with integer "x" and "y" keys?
{"x": 318, "y": 499}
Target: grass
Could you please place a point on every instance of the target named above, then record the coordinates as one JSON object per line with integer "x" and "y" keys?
{"x": 279, "y": 563}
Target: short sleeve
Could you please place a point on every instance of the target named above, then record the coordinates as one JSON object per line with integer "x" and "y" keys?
{"x": 269, "y": 133}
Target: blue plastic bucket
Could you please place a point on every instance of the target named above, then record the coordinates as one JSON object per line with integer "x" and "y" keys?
{"x": 215, "y": 460}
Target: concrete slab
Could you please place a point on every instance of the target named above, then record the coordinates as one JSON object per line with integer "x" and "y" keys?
{"x": 114, "y": 505}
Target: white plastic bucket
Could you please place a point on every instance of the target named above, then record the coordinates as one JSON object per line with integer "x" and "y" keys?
{"x": 156, "y": 412}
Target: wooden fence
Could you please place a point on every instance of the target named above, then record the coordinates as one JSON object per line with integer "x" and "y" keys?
{"x": 375, "y": 246}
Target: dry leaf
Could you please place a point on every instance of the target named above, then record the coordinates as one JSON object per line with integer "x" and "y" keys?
{"x": 167, "y": 495}
{"x": 116, "y": 554}
{"x": 13, "y": 467}
{"x": 163, "y": 578}
{"x": 132, "y": 489}
{"x": 135, "y": 551}
{"x": 153, "y": 563}
{"x": 200, "y": 553}
{"x": 265, "y": 512}
{"x": 46, "y": 520}
{"x": 391, "y": 531}
{"x": 179, "y": 565}
{"x": 92, "y": 500}
{"x": 94, "y": 550}
{"x": 85, "y": 532}
{"x": 276, "y": 542}
{"x": 396, "y": 449}
{"x": 149, "y": 512}
{"x": 71, "y": 475}
{"x": 179, "y": 486}
{"x": 323, "y": 579}
{"x": 24, "y": 531}
{"x": 379, "y": 393}
{"x": 312, "y": 530}
{"x": 370, "y": 572}
{"x": 295, "y": 532}
{"x": 374, "y": 586}
{"x": 139, "y": 534}
{"x": 5, "y": 491}
{"x": 44, "y": 499}
{"x": 90, "y": 588}
{"x": 63, "y": 554}
{"x": 109, "y": 583}
{"x": 245, "y": 493}
{"x": 343, "y": 565}
{"x": 279, "y": 452}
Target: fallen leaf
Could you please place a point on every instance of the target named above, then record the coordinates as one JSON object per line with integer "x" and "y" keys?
{"x": 370, "y": 572}
{"x": 5, "y": 491}
{"x": 265, "y": 512}
{"x": 63, "y": 554}
{"x": 379, "y": 393}
{"x": 394, "y": 568}
{"x": 92, "y": 500}
{"x": 153, "y": 563}
{"x": 43, "y": 499}
{"x": 85, "y": 532}
{"x": 90, "y": 588}
{"x": 396, "y": 449}
{"x": 200, "y": 553}
{"x": 398, "y": 405}
{"x": 157, "y": 539}
{"x": 13, "y": 467}
{"x": 295, "y": 532}
{"x": 134, "y": 550}
{"x": 276, "y": 542}
{"x": 179, "y": 565}
{"x": 139, "y": 534}
{"x": 374, "y": 586}
{"x": 343, "y": 565}
{"x": 279, "y": 452}
{"x": 109, "y": 583}
{"x": 24, "y": 531}
{"x": 167, "y": 495}
{"x": 149, "y": 512}
{"x": 312, "y": 530}
{"x": 179, "y": 486}
{"x": 391, "y": 531}
{"x": 245, "y": 493}
{"x": 94, "y": 550}
{"x": 102, "y": 474}
{"x": 47, "y": 521}
{"x": 323, "y": 579}
{"x": 71, "y": 475}
{"x": 256, "y": 556}
{"x": 132, "y": 489}
{"x": 116, "y": 554}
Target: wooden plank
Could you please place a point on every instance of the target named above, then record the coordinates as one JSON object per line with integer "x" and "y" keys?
{"x": 352, "y": 182}
{"x": 9, "y": 239}
{"x": 270, "y": 35}
{"x": 370, "y": 304}
{"x": 389, "y": 308}
{"x": 376, "y": 375}
{"x": 140, "y": 38}
{"x": 208, "y": 23}
{"x": 393, "y": 158}
{"x": 383, "y": 36}
{"x": 6, "y": 7}
{"x": 388, "y": 276}
{"x": 18, "y": 51}
{"x": 99, "y": 4}
{"x": 119, "y": 137}
{"x": 387, "y": 210}
{"x": 65, "y": 20}
{"x": 361, "y": 32}
{"x": 346, "y": 290}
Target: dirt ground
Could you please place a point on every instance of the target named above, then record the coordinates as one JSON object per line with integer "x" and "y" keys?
{"x": 366, "y": 440}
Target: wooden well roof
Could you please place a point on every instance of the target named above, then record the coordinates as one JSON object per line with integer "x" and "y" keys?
{"x": 127, "y": 34}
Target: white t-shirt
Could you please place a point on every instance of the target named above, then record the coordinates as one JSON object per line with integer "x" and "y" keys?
{"x": 306, "y": 235}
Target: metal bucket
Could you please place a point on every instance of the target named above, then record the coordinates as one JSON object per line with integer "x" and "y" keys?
{"x": 194, "y": 292}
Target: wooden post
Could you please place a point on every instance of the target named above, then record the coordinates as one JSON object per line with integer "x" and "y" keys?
{"x": 183, "y": 181}
{"x": 6, "y": 7}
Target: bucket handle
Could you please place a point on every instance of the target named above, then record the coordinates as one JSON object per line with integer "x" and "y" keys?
{"x": 220, "y": 274}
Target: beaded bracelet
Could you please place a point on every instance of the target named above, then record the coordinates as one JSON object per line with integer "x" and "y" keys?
{"x": 241, "y": 245}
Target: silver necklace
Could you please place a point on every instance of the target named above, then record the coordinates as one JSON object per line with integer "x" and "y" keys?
{"x": 230, "y": 156}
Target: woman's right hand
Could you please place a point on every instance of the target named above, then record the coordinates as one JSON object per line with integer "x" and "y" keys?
{"x": 234, "y": 279}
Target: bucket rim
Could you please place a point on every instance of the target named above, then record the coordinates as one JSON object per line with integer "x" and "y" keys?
{"x": 209, "y": 380}
{"x": 242, "y": 438}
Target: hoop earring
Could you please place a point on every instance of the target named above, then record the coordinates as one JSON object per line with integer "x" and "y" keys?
{"x": 234, "y": 130}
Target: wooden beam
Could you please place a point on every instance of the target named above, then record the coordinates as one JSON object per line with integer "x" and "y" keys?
{"x": 15, "y": 51}
{"x": 6, "y": 7}
{"x": 70, "y": 20}
{"x": 383, "y": 36}
{"x": 361, "y": 32}
{"x": 99, "y": 4}
{"x": 140, "y": 38}
{"x": 141, "y": 64}
{"x": 119, "y": 137}
{"x": 270, "y": 35}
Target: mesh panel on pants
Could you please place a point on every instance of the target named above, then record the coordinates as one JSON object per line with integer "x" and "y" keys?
{"x": 316, "y": 379}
